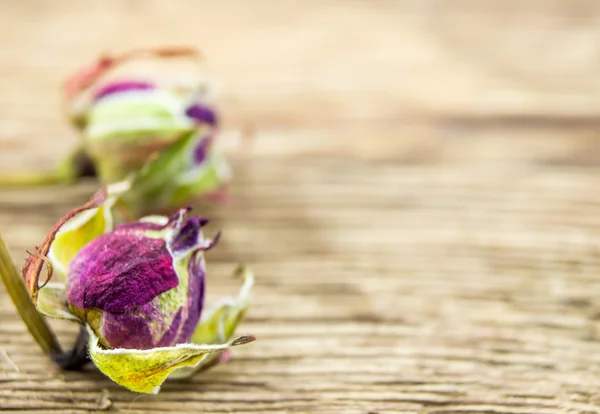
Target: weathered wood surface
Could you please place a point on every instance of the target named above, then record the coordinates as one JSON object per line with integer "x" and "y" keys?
{"x": 420, "y": 203}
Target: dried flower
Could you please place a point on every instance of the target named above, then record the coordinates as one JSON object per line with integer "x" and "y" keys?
{"x": 135, "y": 116}
{"x": 144, "y": 113}
{"x": 138, "y": 290}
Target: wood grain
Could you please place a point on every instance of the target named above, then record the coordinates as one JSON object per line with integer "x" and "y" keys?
{"x": 419, "y": 201}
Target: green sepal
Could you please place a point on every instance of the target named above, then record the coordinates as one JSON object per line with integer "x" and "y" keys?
{"x": 144, "y": 371}
{"x": 203, "y": 179}
{"x": 172, "y": 179}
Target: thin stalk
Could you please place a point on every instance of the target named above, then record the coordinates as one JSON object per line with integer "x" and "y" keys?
{"x": 29, "y": 179}
{"x": 74, "y": 166}
{"x": 35, "y": 322}
{"x": 76, "y": 358}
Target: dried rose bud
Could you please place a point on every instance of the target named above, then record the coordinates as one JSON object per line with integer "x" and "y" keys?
{"x": 131, "y": 111}
{"x": 141, "y": 286}
{"x": 139, "y": 290}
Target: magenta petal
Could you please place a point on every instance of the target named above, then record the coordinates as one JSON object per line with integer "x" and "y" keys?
{"x": 118, "y": 271}
{"x": 196, "y": 288}
{"x": 133, "y": 329}
{"x": 170, "y": 337}
{"x": 124, "y": 86}
{"x": 202, "y": 114}
{"x": 126, "y": 330}
{"x": 189, "y": 235}
{"x": 201, "y": 150}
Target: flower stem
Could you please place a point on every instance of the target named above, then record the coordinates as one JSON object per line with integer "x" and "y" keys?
{"x": 29, "y": 179}
{"x": 74, "y": 166}
{"x": 35, "y": 322}
{"x": 77, "y": 357}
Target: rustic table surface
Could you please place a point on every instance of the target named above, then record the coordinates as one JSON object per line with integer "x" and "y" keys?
{"x": 420, "y": 202}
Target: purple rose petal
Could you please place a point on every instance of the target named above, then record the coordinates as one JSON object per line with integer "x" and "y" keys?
{"x": 170, "y": 337}
{"x": 127, "y": 330}
{"x": 196, "y": 288}
{"x": 189, "y": 235}
{"x": 116, "y": 272}
{"x": 123, "y": 274}
{"x": 118, "y": 87}
{"x": 178, "y": 217}
{"x": 201, "y": 150}
{"x": 202, "y": 114}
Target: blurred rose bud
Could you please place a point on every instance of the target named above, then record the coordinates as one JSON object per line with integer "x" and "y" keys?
{"x": 139, "y": 290}
{"x": 131, "y": 108}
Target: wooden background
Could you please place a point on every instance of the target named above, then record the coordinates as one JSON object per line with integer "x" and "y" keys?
{"x": 420, "y": 204}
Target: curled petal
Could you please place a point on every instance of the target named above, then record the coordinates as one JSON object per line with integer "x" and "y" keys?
{"x": 144, "y": 371}
{"x": 34, "y": 263}
{"x": 47, "y": 262}
{"x": 76, "y": 233}
{"x": 187, "y": 237}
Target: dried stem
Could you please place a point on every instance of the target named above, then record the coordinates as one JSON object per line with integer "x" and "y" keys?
{"x": 35, "y": 322}
{"x": 76, "y": 358}
{"x": 29, "y": 179}
{"x": 74, "y": 166}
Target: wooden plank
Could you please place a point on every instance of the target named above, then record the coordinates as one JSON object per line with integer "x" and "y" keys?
{"x": 382, "y": 288}
{"x": 419, "y": 200}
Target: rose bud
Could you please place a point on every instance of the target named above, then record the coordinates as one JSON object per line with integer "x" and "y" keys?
{"x": 138, "y": 289}
{"x": 132, "y": 108}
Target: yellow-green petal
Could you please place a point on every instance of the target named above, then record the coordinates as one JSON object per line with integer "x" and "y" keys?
{"x": 81, "y": 229}
{"x": 52, "y": 302}
{"x": 144, "y": 371}
{"x": 218, "y": 324}
{"x": 32, "y": 268}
